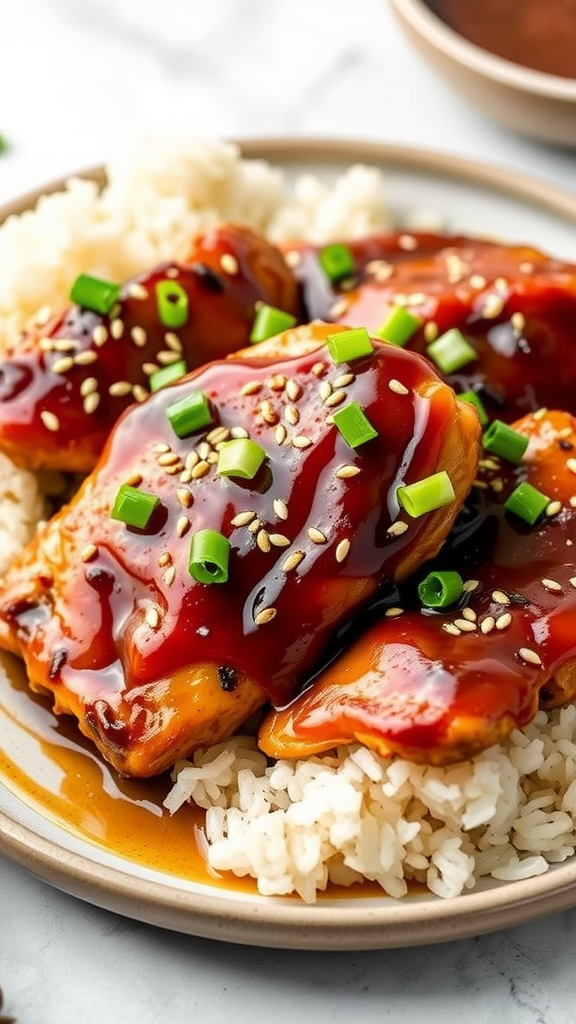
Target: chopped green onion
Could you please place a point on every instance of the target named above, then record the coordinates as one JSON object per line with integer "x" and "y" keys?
{"x": 337, "y": 262}
{"x": 349, "y": 345}
{"x": 527, "y": 502}
{"x": 168, "y": 375}
{"x": 451, "y": 351}
{"x": 172, "y": 303}
{"x": 500, "y": 439}
{"x": 209, "y": 556}
{"x": 426, "y": 495}
{"x": 354, "y": 425}
{"x": 399, "y": 326}
{"x": 3, "y": 144}
{"x": 94, "y": 293}
{"x": 472, "y": 398}
{"x": 441, "y": 589}
{"x": 189, "y": 413}
{"x": 134, "y": 507}
{"x": 240, "y": 457}
{"x": 270, "y": 321}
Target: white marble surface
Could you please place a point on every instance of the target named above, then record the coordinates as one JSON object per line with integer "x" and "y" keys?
{"x": 77, "y": 76}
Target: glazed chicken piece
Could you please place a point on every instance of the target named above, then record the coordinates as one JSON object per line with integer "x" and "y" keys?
{"x": 441, "y": 686}
{"x": 112, "y": 619}
{"x": 67, "y": 382}
{"x": 514, "y": 305}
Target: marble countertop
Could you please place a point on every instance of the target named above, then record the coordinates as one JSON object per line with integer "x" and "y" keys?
{"x": 76, "y": 78}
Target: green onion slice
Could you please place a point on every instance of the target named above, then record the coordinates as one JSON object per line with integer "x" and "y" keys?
{"x": 337, "y": 262}
{"x": 441, "y": 589}
{"x": 240, "y": 457}
{"x": 426, "y": 495}
{"x": 94, "y": 293}
{"x": 134, "y": 507}
{"x": 354, "y": 425}
{"x": 172, "y": 303}
{"x": 472, "y": 398}
{"x": 168, "y": 375}
{"x": 527, "y": 502}
{"x": 270, "y": 321}
{"x": 399, "y": 326}
{"x": 349, "y": 345}
{"x": 500, "y": 439}
{"x": 189, "y": 413}
{"x": 451, "y": 351}
{"x": 209, "y": 557}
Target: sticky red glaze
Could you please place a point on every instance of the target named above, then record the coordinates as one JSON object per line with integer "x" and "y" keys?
{"x": 514, "y": 305}
{"x": 81, "y": 626}
{"x": 408, "y": 686}
{"x": 221, "y": 312}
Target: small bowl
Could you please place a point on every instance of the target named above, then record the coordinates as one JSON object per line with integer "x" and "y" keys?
{"x": 531, "y": 102}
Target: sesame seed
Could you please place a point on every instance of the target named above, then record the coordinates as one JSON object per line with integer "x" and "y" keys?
{"x": 120, "y": 388}
{"x": 464, "y": 625}
{"x": 42, "y": 316}
{"x": 150, "y": 368}
{"x": 86, "y": 357}
{"x": 407, "y": 242}
{"x": 192, "y": 459}
{"x": 487, "y": 624}
{"x": 139, "y": 336}
{"x": 489, "y": 464}
{"x": 397, "y": 529}
{"x": 153, "y": 618}
{"x": 173, "y": 342}
{"x": 266, "y": 615}
{"x": 393, "y": 613}
{"x": 182, "y": 526}
{"x": 480, "y": 484}
{"x": 117, "y": 329}
{"x": 540, "y": 414}
{"x": 50, "y": 420}
{"x": 518, "y": 321}
{"x": 243, "y": 518}
{"x": 493, "y": 306}
{"x": 100, "y": 335}
{"x": 503, "y": 621}
{"x": 397, "y": 387}
{"x": 139, "y": 393}
{"x": 278, "y": 540}
{"x": 324, "y": 389}
{"x": 316, "y": 536}
{"x": 292, "y": 258}
{"x": 62, "y": 365}
{"x": 204, "y": 449}
{"x": 218, "y": 435}
{"x": 165, "y": 558}
{"x": 450, "y": 628}
{"x": 91, "y": 402}
{"x": 136, "y": 290}
{"x": 469, "y": 586}
{"x": 255, "y": 525}
{"x": 46, "y": 344}
{"x": 342, "y": 550}
{"x": 571, "y": 465}
{"x": 301, "y": 442}
{"x": 280, "y": 434}
{"x": 263, "y": 541}
{"x": 200, "y": 469}
{"x": 239, "y": 432}
{"x": 229, "y": 263}
{"x": 293, "y": 390}
{"x": 529, "y": 656}
{"x": 62, "y": 344}
{"x": 88, "y": 553}
{"x": 500, "y": 597}
{"x": 572, "y": 581}
{"x": 292, "y": 561}
{"x": 470, "y": 614}
{"x": 477, "y": 281}
{"x": 268, "y": 412}
{"x": 277, "y": 382}
{"x": 169, "y": 575}
{"x": 318, "y": 369}
{"x": 291, "y": 415}
{"x": 526, "y": 267}
{"x": 173, "y": 272}
{"x": 497, "y": 486}
{"x": 280, "y": 508}
{"x": 134, "y": 480}
{"x": 430, "y": 331}
{"x": 343, "y": 380}
{"x": 173, "y": 470}
{"x": 185, "y": 476}
{"x": 88, "y": 385}
{"x": 552, "y": 585}
{"x": 339, "y": 308}
{"x": 252, "y": 387}
{"x": 335, "y": 399}
{"x": 168, "y": 459}
{"x": 160, "y": 446}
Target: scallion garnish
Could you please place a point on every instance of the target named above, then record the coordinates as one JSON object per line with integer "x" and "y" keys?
{"x": 441, "y": 589}
{"x": 270, "y": 321}
{"x": 527, "y": 502}
{"x": 337, "y": 262}
{"x": 172, "y": 303}
{"x": 354, "y": 425}
{"x": 240, "y": 457}
{"x": 94, "y": 293}
{"x": 426, "y": 495}
{"x": 451, "y": 351}
{"x": 189, "y": 413}
{"x": 349, "y": 345}
{"x": 134, "y": 507}
{"x": 168, "y": 375}
{"x": 209, "y": 557}
{"x": 473, "y": 399}
{"x": 399, "y": 326}
{"x": 500, "y": 439}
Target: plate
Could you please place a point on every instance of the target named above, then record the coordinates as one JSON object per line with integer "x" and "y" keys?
{"x": 473, "y": 199}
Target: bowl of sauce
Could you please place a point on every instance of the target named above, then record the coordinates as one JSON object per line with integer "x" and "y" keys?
{"x": 515, "y": 59}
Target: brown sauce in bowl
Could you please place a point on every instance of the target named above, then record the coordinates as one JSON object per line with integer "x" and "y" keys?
{"x": 538, "y": 34}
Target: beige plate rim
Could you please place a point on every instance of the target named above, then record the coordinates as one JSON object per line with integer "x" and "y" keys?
{"x": 348, "y": 924}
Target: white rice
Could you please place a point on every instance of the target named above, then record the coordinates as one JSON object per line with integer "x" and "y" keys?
{"x": 350, "y": 815}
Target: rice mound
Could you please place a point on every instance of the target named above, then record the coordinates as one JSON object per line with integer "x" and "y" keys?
{"x": 349, "y": 815}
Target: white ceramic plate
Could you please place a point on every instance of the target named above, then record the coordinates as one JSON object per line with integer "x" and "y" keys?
{"x": 472, "y": 199}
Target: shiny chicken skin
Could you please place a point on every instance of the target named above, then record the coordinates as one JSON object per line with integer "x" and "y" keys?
{"x": 439, "y": 687}
{"x": 67, "y": 381}
{"x": 153, "y": 663}
{"x": 513, "y": 304}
